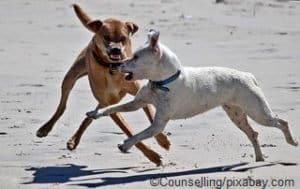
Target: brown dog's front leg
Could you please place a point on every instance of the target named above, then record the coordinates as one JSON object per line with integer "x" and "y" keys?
{"x": 149, "y": 153}
{"x": 161, "y": 138}
{"x": 77, "y": 71}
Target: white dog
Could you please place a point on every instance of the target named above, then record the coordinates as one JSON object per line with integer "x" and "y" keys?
{"x": 179, "y": 92}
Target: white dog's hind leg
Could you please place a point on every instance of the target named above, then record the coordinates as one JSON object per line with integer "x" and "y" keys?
{"x": 283, "y": 126}
{"x": 157, "y": 127}
{"x": 280, "y": 124}
{"x": 239, "y": 118}
{"x": 256, "y": 107}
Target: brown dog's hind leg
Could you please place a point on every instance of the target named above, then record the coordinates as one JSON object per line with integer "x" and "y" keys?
{"x": 150, "y": 154}
{"x": 239, "y": 118}
{"x": 77, "y": 71}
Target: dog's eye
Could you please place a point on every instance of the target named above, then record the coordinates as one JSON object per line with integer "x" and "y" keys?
{"x": 135, "y": 57}
{"x": 106, "y": 38}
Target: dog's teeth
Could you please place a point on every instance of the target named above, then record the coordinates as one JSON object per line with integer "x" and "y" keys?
{"x": 113, "y": 56}
{"x": 128, "y": 75}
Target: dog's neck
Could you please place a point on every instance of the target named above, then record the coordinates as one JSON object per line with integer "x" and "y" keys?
{"x": 169, "y": 64}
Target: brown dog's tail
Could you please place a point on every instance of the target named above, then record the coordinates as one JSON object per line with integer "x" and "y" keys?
{"x": 83, "y": 17}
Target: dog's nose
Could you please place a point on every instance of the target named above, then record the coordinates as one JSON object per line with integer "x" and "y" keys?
{"x": 115, "y": 51}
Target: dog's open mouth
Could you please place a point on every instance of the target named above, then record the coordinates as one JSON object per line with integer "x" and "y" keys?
{"x": 128, "y": 76}
{"x": 115, "y": 57}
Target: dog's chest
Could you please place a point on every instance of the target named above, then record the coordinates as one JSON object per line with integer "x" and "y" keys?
{"x": 108, "y": 89}
{"x": 113, "y": 91}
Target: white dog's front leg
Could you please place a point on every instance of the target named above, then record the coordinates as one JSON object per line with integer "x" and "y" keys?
{"x": 140, "y": 100}
{"x": 93, "y": 114}
{"x": 127, "y": 107}
{"x": 157, "y": 127}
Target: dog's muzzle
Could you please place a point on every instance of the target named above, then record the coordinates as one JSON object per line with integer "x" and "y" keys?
{"x": 128, "y": 74}
{"x": 115, "y": 54}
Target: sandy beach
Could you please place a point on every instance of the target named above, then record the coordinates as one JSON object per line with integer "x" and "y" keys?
{"x": 41, "y": 39}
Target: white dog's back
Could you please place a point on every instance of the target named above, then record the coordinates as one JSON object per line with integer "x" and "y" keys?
{"x": 207, "y": 87}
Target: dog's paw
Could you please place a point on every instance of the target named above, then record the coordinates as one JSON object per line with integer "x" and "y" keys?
{"x": 72, "y": 144}
{"x": 94, "y": 114}
{"x": 123, "y": 148}
{"x": 91, "y": 114}
{"x": 163, "y": 141}
{"x": 43, "y": 131}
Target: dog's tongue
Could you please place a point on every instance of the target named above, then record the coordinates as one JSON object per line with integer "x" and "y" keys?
{"x": 115, "y": 56}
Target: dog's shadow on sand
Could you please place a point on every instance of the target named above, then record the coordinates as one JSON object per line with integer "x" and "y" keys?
{"x": 70, "y": 173}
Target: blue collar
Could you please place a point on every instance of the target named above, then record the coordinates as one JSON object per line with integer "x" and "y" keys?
{"x": 160, "y": 84}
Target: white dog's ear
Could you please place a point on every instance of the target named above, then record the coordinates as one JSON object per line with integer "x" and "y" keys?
{"x": 153, "y": 40}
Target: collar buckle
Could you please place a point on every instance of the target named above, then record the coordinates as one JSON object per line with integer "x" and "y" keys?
{"x": 112, "y": 67}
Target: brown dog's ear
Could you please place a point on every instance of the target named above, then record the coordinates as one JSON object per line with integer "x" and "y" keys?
{"x": 94, "y": 25}
{"x": 90, "y": 24}
{"x": 132, "y": 27}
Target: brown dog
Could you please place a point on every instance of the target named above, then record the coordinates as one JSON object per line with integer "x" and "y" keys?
{"x": 99, "y": 60}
